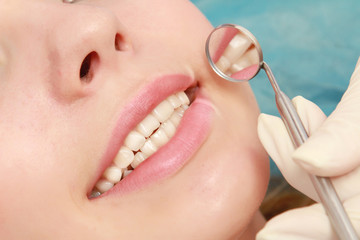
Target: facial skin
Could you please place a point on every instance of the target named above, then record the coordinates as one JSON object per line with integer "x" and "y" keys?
{"x": 55, "y": 126}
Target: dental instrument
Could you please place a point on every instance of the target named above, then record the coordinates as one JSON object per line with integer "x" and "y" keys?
{"x": 235, "y": 55}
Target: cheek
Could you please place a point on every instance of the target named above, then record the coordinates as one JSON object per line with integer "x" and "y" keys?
{"x": 247, "y": 182}
{"x": 236, "y": 187}
{"x": 222, "y": 195}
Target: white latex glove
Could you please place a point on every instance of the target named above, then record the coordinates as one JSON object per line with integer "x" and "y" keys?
{"x": 332, "y": 150}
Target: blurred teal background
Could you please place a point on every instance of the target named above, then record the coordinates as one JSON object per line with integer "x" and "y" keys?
{"x": 311, "y": 46}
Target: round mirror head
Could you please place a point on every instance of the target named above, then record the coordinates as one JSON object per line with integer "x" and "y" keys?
{"x": 234, "y": 53}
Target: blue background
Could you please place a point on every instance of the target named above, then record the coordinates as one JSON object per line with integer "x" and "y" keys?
{"x": 311, "y": 46}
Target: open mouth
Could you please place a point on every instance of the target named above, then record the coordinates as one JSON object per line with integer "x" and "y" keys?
{"x": 153, "y": 132}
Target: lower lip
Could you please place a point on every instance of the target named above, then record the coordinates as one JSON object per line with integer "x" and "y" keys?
{"x": 191, "y": 133}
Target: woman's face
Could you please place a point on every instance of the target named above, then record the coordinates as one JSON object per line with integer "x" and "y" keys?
{"x": 76, "y": 80}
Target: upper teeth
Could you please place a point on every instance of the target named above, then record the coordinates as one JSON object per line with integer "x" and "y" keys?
{"x": 238, "y": 55}
{"x": 149, "y": 135}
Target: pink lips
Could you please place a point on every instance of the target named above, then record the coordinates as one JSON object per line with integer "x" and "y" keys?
{"x": 190, "y": 134}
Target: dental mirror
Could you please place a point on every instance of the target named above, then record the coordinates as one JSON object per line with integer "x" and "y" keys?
{"x": 235, "y": 55}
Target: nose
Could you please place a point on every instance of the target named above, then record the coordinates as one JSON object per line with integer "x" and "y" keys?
{"x": 86, "y": 42}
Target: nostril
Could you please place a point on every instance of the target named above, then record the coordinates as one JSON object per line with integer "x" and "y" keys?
{"x": 120, "y": 43}
{"x": 87, "y": 67}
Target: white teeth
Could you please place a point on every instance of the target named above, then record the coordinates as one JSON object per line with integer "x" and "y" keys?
{"x": 159, "y": 138}
{"x": 183, "y": 98}
{"x": 237, "y": 56}
{"x": 185, "y": 107}
{"x": 153, "y": 132}
{"x": 139, "y": 158}
{"x": 180, "y": 111}
{"x": 149, "y": 148}
{"x": 148, "y": 125}
{"x": 252, "y": 55}
{"x": 127, "y": 172}
{"x": 169, "y": 128}
{"x": 124, "y": 157}
{"x": 176, "y": 118}
{"x": 223, "y": 64}
{"x": 237, "y": 47}
{"x": 246, "y": 60}
{"x": 113, "y": 174}
{"x": 102, "y": 185}
{"x": 134, "y": 141}
{"x": 239, "y": 65}
{"x": 174, "y": 101}
{"x": 163, "y": 111}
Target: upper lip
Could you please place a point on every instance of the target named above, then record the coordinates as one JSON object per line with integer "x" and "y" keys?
{"x": 136, "y": 110}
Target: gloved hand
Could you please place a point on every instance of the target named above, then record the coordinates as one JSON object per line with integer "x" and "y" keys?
{"x": 332, "y": 150}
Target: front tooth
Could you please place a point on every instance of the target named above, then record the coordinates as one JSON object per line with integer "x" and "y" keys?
{"x": 163, "y": 111}
{"x": 103, "y": 185}
{"x": 236, "y": 48}
{"x": 183, "y": 98}
{"x": 124, "y": 157}
{"x": 174, "y": 101}
{"x": 149, "y": 148}
{"x": 134, "y": 141}
{"x": 113, "y": 174}
{"x": 169, "y": 128}
{"x": 148, "y": 125}
{"x": 159, "y": 138}
{"x": 139, "y": 158}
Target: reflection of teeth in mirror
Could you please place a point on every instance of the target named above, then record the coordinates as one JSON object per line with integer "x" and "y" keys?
{"x": 237, "y": 47}
{"x": 246, "y": 60}
{"x": 228, "y": 73}
{"x": 223, "y": 64}
{"x": 253, "y": 55}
